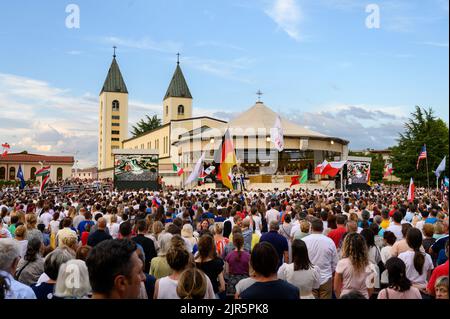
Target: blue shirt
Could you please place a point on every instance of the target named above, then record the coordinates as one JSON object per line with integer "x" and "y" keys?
{"x": 82, "y": 225}
{"x": 207, "y": 215}
{"x": 431, "y": 220}
{"x": 17, "y": 290}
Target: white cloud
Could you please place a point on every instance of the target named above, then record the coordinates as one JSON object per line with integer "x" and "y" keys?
{"x": 364, "y": 126}
{"x": 435, "y": 44}
{"x": 287, "y": 15}
{"x": 40, "y": 118}
{"x": 224, "y": 69}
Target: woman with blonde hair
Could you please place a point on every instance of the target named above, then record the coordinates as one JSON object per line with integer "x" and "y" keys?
{"x": 187, "y": 232}
{"x": 353, "y": 271}
{"x": 159, "y": 267}
{"x": 113, "y": 226}
{"x": 192, "y": 284}
{"x": 20, "y": 235}
{"x": 178, "y": 259}
{"x": 156, "y": 231}
{"x": 32, "y": 231}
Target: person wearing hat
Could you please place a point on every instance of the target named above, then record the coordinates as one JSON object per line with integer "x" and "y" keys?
{"x": 187, "y": 232}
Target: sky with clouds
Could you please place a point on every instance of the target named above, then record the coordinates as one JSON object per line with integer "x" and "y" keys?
{"x": 316, "y": 62}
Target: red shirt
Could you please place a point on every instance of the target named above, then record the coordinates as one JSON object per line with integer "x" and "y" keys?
{"x": 336, "y": 234}
{"x": 84, "y": 238}
{"x": 439, "y": 271}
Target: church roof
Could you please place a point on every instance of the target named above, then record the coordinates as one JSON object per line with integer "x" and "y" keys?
{"x": 178, "y": 86}
{"x": 114, "y": 81}
{"x": 259, "y": 118}
{"x": 36, "y": 158}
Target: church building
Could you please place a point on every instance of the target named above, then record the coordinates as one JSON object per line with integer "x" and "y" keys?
{"x": 182, "y": 138}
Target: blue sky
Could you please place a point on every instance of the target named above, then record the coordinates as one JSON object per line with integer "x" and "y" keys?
{"x": 315, "y": 61}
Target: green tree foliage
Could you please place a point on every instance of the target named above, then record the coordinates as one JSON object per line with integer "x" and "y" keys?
{"x": 422, "y": 128}
{"x": 145, "y": 125}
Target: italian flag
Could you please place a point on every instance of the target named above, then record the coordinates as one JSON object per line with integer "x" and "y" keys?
{"x": 177, "y": 169}
{"x": 43, "y": 171}
{"x": 44, "y": 183}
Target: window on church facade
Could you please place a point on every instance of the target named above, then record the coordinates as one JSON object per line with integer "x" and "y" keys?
{"x": 115, "y": 106}
{"x": 180, "y": 110}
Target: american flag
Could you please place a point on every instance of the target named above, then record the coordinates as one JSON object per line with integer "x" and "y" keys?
{"x": 422, "y": 155}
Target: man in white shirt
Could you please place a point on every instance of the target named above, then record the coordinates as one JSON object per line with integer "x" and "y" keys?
{"x": 46, "y": 217}
{"x": 9, "y": 259}
{"x": 323, "y": 254}
{"x": 272, "y": 214}
{"x": 395, "y": 225}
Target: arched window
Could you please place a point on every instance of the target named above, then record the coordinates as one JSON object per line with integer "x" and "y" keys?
{"x": 12, "y": 173}
{"x": 59, "y": 174}
{"x": 33, "y": 173}
{"x": 2, "y": 173}
{"x": 115, "y": 106}
{"x": 167, "y": 110}
{"x": 180, "y": 110}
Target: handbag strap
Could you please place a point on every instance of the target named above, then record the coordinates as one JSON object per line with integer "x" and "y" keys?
{"x": 20, "y": 271}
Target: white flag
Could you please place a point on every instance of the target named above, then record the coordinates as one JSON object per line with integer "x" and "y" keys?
{"x": 196, "y": 171}
{"x": 276, "y": 135}
{"x": 440, "y": 168}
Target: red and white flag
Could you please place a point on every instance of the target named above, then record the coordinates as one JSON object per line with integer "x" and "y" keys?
{"x": 388, "y": 169}
{"x": 333, "y": 168}
{"x": 6, "y": 148}
{"x": 411, "y": 191}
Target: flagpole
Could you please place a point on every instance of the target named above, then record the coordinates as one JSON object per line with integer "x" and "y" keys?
{"x": 428, "y": 177}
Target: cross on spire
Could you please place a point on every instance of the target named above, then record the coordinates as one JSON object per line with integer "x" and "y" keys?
{"x": 114, "y": 47}
{"x": 178, "y": 58}
{"x": 259, "y": 94}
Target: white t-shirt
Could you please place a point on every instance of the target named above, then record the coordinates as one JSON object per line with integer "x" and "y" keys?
{"x": 272, "y": 215}
{"x": 411, "y": 272}
{"x": 46, "y": 218}
{"x": 54, "y": 226}
{"x": 257, "y": 221}
{"x": 322, "y": 253}
{"x": 397, "y": 230}
{"x": 305, "y": 280}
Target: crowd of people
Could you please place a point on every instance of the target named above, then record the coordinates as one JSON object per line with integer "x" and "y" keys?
{"x": 213, "y": 244}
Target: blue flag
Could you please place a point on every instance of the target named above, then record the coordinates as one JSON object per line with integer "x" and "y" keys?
{"x": 20, "y": 176}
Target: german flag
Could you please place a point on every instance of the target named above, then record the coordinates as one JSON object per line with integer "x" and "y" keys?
{"x": 227, "y": 159}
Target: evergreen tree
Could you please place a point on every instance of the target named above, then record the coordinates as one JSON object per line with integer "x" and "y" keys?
{"x": 423, "y": 128}
{"x": 146, "y": 125}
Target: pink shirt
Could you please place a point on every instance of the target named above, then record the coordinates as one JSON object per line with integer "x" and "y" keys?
{"x": 412, "y": 293}
{"x": 352, "y": 280}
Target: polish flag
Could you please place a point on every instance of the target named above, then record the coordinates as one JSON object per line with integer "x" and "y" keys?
{"x": 318, "y": 170}
{"x": 411, "y": 191}
{"x": 333, "y": 168}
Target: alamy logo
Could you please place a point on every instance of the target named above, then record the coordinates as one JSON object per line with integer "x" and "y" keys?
{"x": 73, "y": 19}
{"x": 373, "y": 19}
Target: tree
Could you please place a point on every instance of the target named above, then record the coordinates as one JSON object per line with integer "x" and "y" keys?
{"x": 422, "y": 128}
{"x": 146, "y": 125}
